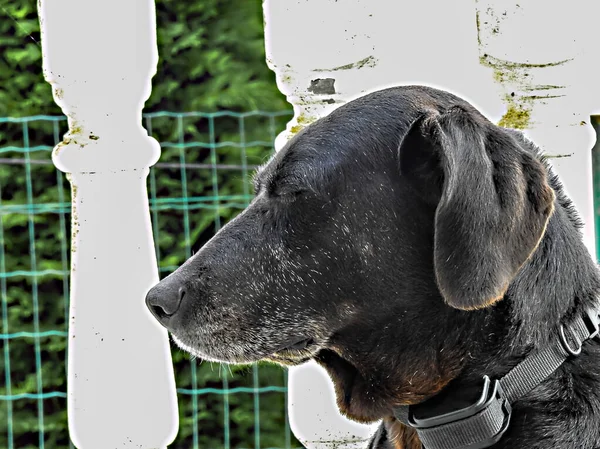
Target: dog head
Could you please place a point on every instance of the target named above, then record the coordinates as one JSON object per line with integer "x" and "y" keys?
{"x": 375, "y": 233}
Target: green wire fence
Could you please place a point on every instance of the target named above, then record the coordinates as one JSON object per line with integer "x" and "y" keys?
{"x": 201, "y": 181}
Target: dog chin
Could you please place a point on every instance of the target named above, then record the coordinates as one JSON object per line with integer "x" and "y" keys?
{"x": 283, "y": 357}
{"x": 288, "y": 359}
{"x": 224, "y": 356}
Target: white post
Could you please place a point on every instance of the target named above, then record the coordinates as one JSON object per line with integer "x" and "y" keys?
{"x": 325, "y": 53}
{"x": 537, "y": 53}
{"x": 319, "y": 66}
{"x": 99, "y": 57}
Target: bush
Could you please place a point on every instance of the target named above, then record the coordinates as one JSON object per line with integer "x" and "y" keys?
{"x": 211, "y": 59}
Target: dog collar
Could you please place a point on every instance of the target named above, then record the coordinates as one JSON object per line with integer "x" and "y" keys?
{"x": 483, "y": 423}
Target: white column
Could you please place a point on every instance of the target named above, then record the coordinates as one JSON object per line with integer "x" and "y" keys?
{"x": 536, "y": 52}
{"x": 99, "y": 57}
{"x": 321, "y": 59}
{"x": 327, "y": 52}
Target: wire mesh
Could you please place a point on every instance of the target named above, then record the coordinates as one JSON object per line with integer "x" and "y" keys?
{"x": 201, "y": 181}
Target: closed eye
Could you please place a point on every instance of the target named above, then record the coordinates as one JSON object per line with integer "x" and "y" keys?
{"x": 280, "y": 185}
{"x": 287, "y": 191}
{"x": 279, "y": 191}
{"x": 289, "y": 186}
{"x": 291, "y": 193}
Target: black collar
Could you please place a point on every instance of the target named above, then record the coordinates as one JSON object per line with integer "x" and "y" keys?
{"x": 482, "y": 424}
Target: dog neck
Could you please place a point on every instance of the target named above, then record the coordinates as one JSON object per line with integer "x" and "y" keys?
{"x": 568, "y": 399}
{"x": 443, "y": 358}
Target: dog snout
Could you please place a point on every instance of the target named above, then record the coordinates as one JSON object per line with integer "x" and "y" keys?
{"x": 164, "y": 300}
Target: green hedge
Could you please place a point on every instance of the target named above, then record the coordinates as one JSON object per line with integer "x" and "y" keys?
{"x": 211, "y": 59}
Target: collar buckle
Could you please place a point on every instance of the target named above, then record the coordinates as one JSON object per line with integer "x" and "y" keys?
{"x": 591, "y": 319}
{"x": 477, "y": 426}
{"x": 565, "y": 343}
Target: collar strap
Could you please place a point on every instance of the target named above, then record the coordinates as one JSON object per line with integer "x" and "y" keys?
{"x": 483, "y": 424}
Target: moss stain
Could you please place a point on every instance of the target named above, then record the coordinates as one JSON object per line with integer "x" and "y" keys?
{"x": 74, "y": 233}
{"x": 542, "y": 87}
{"x": 516, "y": 117}
{"x": 337, "y": 444}
{"x": 302, "y": 122}
{"x": 516, "y": 75}
{"x": 369, "y": 61}
{"x": 296, "y": 129}
{"x": 478, "y": 22}
{"x": 74, "y": 213}
{"x": 539, "y": 97}
{"x": 491, "y": 61}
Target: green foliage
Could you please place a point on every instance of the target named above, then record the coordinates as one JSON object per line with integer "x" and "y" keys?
{"x": 219, "y": 46}
{"x": 211, "y": 59}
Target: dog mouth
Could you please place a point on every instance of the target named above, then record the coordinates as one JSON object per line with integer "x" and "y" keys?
{"x": 292, "y": 352}
{"x": 295, "y": 352}
{"x": 297, "y": 345}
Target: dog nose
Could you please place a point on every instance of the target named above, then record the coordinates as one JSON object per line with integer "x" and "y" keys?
{"x": 164, "y": 301}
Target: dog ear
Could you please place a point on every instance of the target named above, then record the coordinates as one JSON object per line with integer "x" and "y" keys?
{"x": 493, "y": 202}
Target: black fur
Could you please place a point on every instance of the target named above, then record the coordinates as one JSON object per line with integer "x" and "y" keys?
{"x": 413, "y": 246}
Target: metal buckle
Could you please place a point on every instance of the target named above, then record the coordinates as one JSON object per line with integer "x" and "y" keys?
{"x": 491, "y": 393}
{"x": 591, "y": 319}
{"x": 565, "y": 343}
{"x": 592, "y": 322}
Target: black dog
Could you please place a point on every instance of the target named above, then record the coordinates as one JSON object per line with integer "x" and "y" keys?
{"x": 410, "y": 247}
